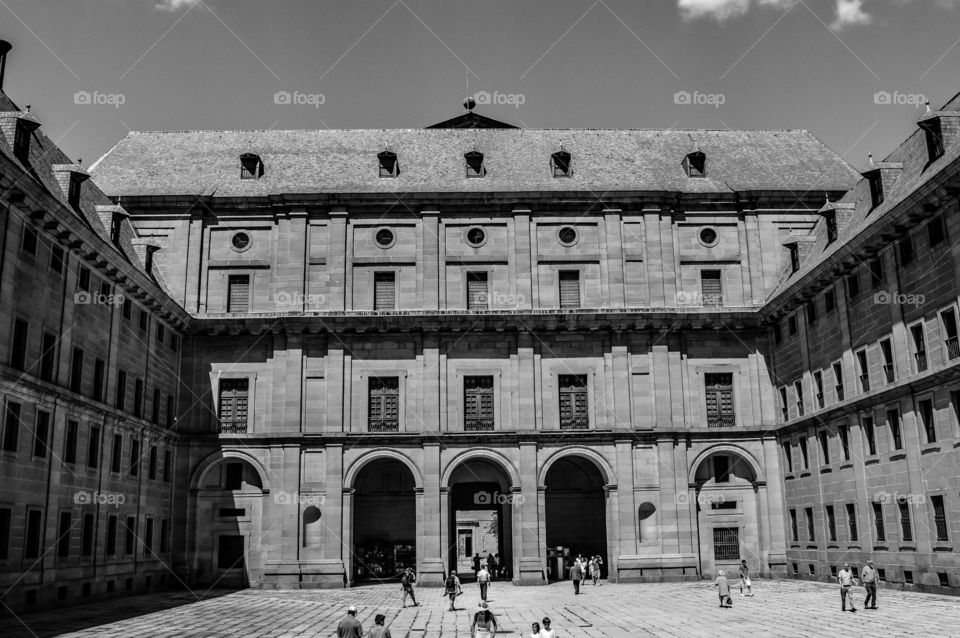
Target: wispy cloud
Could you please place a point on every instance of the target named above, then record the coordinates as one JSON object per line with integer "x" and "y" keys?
{"x": 721, "y": 10}
{"x": 174, "y": 5}
{"x": 850, "y": 13}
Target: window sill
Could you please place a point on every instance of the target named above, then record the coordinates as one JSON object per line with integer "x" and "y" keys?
{"x": 826, "y": 470}
{"x": 813, "y": 546}
{"x": 833, "y": 546}
{"x": 856, "y": 547}
{"x": 898, "y": 455}
{"x": 943, "y": 548}
{"x": 794, "y": 545}
{"x": 846, "y": 465}
{"x": 930, "y": 448}
{"x": 870, "y": 460}
{"x": 881, "y": 548}
{"x": 805, "y": 474}
{"x": 907, "y": 547}
{"x": 788, "y": 477}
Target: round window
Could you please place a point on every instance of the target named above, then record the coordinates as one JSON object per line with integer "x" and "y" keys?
{"x": 708, "y": 237}
{"x": 240, "y": 241}
{"x": 567, "y": 235}
{"x": 476, "y": 236}
{"x": 385, "y": 238}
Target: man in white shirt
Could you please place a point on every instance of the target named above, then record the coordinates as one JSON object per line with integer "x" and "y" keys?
{"x": 483, "y": 581}
{"x": 846, "y": 580}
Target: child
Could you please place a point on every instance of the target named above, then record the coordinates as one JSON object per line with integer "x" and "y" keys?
{"x": 745, "y": 579}
{"x": 723, "y": 589}
{"x": 535, "y": 630}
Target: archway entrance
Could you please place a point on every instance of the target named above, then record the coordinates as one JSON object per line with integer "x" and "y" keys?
{"x": 727, "y": 514}
{"x": 576, "y": 515}
{"x": 481, "y": 507}
{"x": 384, "y": 521}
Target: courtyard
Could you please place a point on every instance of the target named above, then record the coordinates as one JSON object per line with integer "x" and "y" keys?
{"x": 779, "y": 608}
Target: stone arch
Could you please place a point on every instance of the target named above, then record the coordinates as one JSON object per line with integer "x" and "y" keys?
{"x": 731, "y": 449}
{"x": 211, "y": 461}
{"x": 576, "y": 450}
{"x": 381, "y": 453}
{"x": 486, "y": 455}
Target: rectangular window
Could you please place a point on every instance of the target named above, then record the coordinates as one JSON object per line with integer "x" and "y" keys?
{"x": 919, "y": 347}
{"x": 11, "y": 427}
{"x": 569, "y": 288}
{"x": 886, "y": 349}
{"x": 794, "y": 257}
{"x": 174, "y": 342}
{"x": 63, "y": 535}
{"x": 86, "y": 536}
{"x": 830, "y": 300}
{"x": 83, "y": 279}
{"x": 838, "y": 380}
{"x": 384, "y": 404}
{"x": 798, "y": 392}
{"x": 148, "y": 537}
{"x": 130, "y": 535}
{"x": 384, "y": 291}
{"x": 824, "y": 438}
{"x": 93, "y": 451}
{"x": 116, "y": 453}
{"x": 127, "y": 309}
{"x": 70, "y": 442}
{"x": 906, "y": 250}
{"x": 831, "y": 524}
{"x": 110, "y": 546}
{"x": 792, "y": 324}
{"x": 871, "y": 434}
{"x": 718, "y": 388}
{"x": 144, "y": 320}
{"x": 41, "y": 434}
{"x": 878, "y": 522}
{"x": 170, "y": 411}
{"x": 721, "y": 469}
{"x": 238, "y": 293}
{"x": 18, "y": 348}
{"x": 155, "y": 407}
{"x": 48, "y": 356}
{"x": 99, "y": 375}
{"x": 164, "y": 535}
{"x": 138, "y": 398}
{"x": 949, "y": 319}
{"x": 928, "y": 420}
{"x": 831, "y": 220}
{"x": 234, "y": 405}
{"x": 784, "y": 405}
{"x": 844, "y": 432}
{"x": 711, "y": 287}
{"x": 76, "y": 370}
{"x": 936, "y": 231}
{"x": 5, "y": 521}
{"x": 478, "y": 403}
{"x": 864, "y": 370}
{"x": 56, "y": 258}
{"x": 876, "y": 272}
{"x": 34, "y": 535}
{"x": 939, "y": 518}
{"x": 121, "y": 389}
{"x": 811, "y": 313}
{"x": 161, "y": 333}
{"x": 852, "y": 522}
{"x": 794, "y": 531}
{"x": 573, "y": 402}
{"x": 808, "y": 514}
{"x": 477, "y": 296}
{"x": 726, "y": 543}
{"x": 818, "y": 384}
{"x": 29, "y": 241}
{"x": 152, "y": 463}
{"x": 906, "y": 530}
{"x": 105, "y": 288}
{"x": 893, "y": 418}
{"x": 788, "y": 456}
{"x": 167, "y": 466}
{"x": 853, "y": 285}
{"x": 777, "y": 333}
{"x": 804, "y": 453}
{"x": 134, "y": 457}
{"x": 875, "y": 180}
{"x": 233, "y": 476}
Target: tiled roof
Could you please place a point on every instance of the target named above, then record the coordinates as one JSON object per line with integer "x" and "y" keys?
{"x": 431, "y": 160}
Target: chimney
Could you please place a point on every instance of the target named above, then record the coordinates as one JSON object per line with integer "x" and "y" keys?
{"x": 4, "y": 50}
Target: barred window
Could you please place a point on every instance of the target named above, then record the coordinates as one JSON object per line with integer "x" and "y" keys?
{"x": 234, "y": 405}
{"x": 477, "y": 291}
{"x": 569, "y": 288}
{"x": 940, "y": 518}
{"x": 719, "y": 395}
{"x": 711, "y": 287}
{"x": 852, "y": 522}
{"x": 573, "y": 402}
{"x": 478, "y": 403}
{"x": 878, "y": 521}
{"x": 384, "y": 291}
{"x": 384, "y": 404}
{"x": 238, "y": 293}
{"x": 726, "y": 543}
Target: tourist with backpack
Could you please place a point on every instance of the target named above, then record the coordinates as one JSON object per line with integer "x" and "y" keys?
{"x": 406, "y": 583}
{"x": 452, "y": 589}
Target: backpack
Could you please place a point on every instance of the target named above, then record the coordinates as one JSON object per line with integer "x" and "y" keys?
{"x": 405, "y": 580}
{"x": 451, "y": 583}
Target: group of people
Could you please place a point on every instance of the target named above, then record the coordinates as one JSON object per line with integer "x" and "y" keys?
{"x": 847, "y": 580}
{"x": 493, "y": 565}
{"x": 723, "y": 585}
{"x": 583, "y": 568}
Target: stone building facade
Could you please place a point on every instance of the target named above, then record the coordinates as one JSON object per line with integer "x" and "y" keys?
{"x": 390, "y": 348}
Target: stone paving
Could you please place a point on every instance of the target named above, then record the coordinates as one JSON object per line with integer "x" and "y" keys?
{"x": 780, "y": 608}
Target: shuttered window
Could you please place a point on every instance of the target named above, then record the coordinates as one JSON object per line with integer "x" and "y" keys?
{"x": 234, "y": 405}
{"x": 477, "y": 296}
{"x": 573, "y": 402}
{"x": 384, "y": 291}
{"x": 569, "y": 289}
{"x": 238, "y": 293}
{"x": 719, "y": 393}
{"x": 711, "y": 288}
{"x": 384, "y": 405}
{"x": 478, "y": 403}
{"x": 726, "y": 543}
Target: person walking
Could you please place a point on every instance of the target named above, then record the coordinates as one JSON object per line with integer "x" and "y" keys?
{"x": 846, "y": 580}
{"x": 350, "y": 627}
{"x": 576, "y": 575}
{"x": 723, "y": 589}
{"x": 484, "y": 623}
{"x": 595, "y": 567}
{"x": 492, "y": 565}
{"x": 745, "y": 579}
{"x": 546, "y": 632}
{"x": 497, "y": 568}
{"x": 476, "y": 564}
{"x": 452, "y": 589}
{"x": 406, "y": 584}
{"x": 483, "y": 582}
{"x": 869, "y": 578}
{"x": 379, "y": 630}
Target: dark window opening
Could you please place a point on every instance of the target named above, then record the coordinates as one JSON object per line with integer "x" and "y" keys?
{"x": 233, "y": 405}
{"x": 573, "y": 402}
{"x": 389, "y": 166}
{"x": 383, "y": 404}
{"x": 478, "y": 402}
{"x": 719, "y": 398}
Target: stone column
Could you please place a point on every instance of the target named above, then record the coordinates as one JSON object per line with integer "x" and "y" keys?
{"x": 612, "y": 508}
{"x": 346, "y": 537}
{"x": 330, "y": 570}
{"x": 613, "y": 258}
{"x": 763, "y": 524}
{"x": 428, "y": 266}
{"x": 337, "y": 265}
{"x": 626, "y": 503}
{"x": 527, "y": 384}
{"x": 433, "y": 518}
{"x": 773, "y": 506}
{"x": 528, "y": 555}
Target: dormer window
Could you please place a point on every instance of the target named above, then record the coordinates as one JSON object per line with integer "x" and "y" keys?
{"x": 875, "y": 179}
{"x": 794, "y": 257}
{"x": 76, "y": 183}
{"x": 116, "y": 223}
{"x": 475, "y": 167}
{"x": 251, "y": 166}
{"x": 560, "y": 164}
{"x": 389, "y": 167}
{"x": 934, "y": 134}
{"x": 26, "y": 125}
{"x": 831, "y": 220}
{"x": 695, "y": 164}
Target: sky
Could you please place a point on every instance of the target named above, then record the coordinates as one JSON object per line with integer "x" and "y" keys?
{"x": 853, "y": 72}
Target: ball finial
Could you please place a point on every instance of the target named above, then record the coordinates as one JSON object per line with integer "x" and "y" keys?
{"x": 469, "y": 103}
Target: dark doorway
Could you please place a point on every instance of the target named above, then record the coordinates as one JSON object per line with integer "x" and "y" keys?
{"x": 384, "y": 521}
{"x": 481, "y": 506}
{"x": 576, "y": 514}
